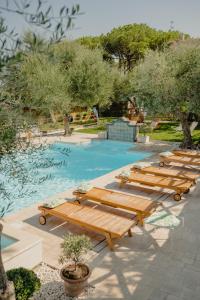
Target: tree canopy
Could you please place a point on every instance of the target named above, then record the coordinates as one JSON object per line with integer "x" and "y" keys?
{"x": 65, "y": 76}
{"x": 45, "y": 84}
{"x": 169, "y": 82}
{"x": 90, "y": 79}
{"x": 129, "y": 43}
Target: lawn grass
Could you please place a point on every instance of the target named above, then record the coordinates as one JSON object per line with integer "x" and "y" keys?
{"x": 51, "y": 126}
{"x": 92, "y": 130}
{"x": 165, "y": 132}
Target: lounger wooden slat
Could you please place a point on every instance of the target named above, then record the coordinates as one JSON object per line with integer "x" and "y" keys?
{"x": 189, "y": 153}
{"x": 180, "y": 186}
{"x": 179, "y": 159}
{"x": 114, "y": 226}
{"x": 139, "y": 205}
{"x": 97, "y": 217}
{"x": 160, "y": 171}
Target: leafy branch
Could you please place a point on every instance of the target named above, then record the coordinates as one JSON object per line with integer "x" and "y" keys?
{"x": 40, "y": 15}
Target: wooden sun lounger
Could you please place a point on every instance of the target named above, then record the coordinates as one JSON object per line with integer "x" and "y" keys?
{"x": 179, "y": 159}
{"x": 180, "y": 186}
{"x": 160, "y": 171}
{"x": 187, "y": 153}
{"x": 108, "y": 224}
{"x": 141, "y": 206}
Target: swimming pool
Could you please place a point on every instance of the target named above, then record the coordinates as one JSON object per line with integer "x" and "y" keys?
{"x": 84, "y": 162}
{"x": 7, "y": 241}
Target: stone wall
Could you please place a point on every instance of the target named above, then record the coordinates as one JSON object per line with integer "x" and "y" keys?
{"x": 122, "y": 130}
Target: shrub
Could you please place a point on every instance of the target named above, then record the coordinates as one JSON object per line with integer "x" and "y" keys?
{"x": 73, "y": 247}
{"x": 25, "y": 281}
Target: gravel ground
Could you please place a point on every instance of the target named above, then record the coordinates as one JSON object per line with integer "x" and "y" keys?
{"x": 52, "y": 286}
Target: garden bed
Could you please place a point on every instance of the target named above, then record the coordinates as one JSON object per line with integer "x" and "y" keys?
{"x": 52, "y": 286}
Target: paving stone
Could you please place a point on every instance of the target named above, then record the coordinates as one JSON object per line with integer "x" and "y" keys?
{"x": 190, "y": 294}
{"x": 191, "y": 279}
{"x": 171, "y": 297}
{"x": 157, "y": 294}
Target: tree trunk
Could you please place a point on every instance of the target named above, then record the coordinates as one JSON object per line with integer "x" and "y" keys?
{"x": 7, "y": 290}
{"x": 53, "y": 118}
{"x": 187, "y": 141}
{"x": 66, "y": 126}
{"x": 129, "y": 63}
{"x": 120, "y": 63}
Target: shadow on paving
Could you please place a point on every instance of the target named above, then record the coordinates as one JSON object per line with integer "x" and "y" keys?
{"x": 156, "y": 263}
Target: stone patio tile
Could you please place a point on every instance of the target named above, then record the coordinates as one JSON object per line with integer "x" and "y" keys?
{"x": 190, "y": 294}
{"x": 194, "y": 266}
{"x": 141, "y": 292}
{"x": 172, "y": 297}
{"x": 157, "y": 294}
{"x": 198, "y": 255}
{"x": 172, "y": 288}
{"x": 172, "y": 282}
{"x": 191, "y": 278}
{"x": 113, "y": 287}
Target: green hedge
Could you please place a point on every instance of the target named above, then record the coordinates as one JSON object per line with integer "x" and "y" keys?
{"x": 25, "y": 281}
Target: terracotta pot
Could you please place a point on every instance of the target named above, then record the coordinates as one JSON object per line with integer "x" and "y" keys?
{"x": 74, "y": 287}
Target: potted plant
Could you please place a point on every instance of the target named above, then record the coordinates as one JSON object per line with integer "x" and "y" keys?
{"x": 143, "y": 130}
{"x": 75, "y": 273}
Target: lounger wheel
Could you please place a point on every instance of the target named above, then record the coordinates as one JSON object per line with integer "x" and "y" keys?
{"x": 177, "y": 197}
{"x": 187, "y": 191}
{"x": 161, "y": 164}
{"x": 42, "y": 220}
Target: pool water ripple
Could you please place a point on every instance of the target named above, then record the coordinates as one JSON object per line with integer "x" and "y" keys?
{"x": 84, "y": 162}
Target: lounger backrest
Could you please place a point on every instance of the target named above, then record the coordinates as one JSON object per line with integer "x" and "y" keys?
{"x": 120, "y": 200}
{"x": 159, "y": 180}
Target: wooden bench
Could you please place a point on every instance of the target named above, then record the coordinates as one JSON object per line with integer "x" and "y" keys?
{"x": 110, "y": 225}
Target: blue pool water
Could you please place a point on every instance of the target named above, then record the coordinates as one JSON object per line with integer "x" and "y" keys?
{"x": 83, "y": 163}
{"x": 7, "y": 241}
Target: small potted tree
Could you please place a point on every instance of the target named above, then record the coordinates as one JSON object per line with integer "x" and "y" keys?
{"x": 144, "y": 130}
{"x": 75, "y": 273}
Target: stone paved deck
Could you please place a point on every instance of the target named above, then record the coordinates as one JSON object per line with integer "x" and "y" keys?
{"x": 155, "y": 264}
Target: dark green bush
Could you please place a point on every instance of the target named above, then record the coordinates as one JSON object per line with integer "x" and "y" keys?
{"x": 25, "y": 281}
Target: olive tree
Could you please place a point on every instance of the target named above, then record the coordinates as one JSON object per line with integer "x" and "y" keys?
{"x": 169, "y": 82}
{"x": 67, "y": 76}
{"x": 45, "y": 85}
{"x": 90, "y": 79}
